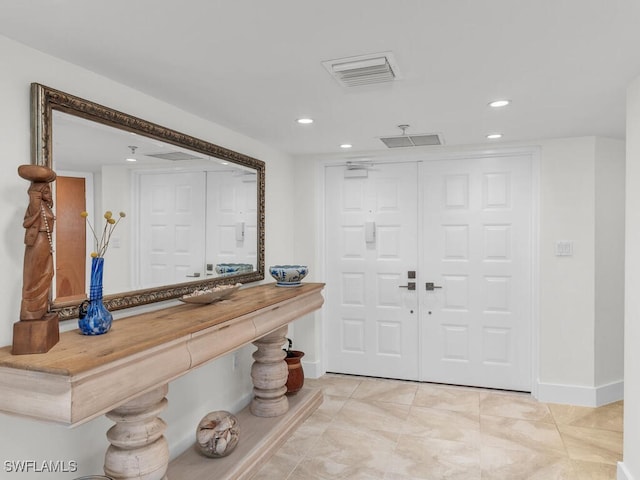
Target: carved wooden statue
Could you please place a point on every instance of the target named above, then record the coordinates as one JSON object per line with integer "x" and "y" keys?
{"x": 37, "y": 331}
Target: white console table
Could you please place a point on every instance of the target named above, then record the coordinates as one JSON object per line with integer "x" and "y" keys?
{"x": 125, "y": 373}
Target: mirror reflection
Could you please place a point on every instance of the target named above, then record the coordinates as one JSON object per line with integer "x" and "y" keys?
{"x": 194, "y": 216}
{"x": 189, "y": 215}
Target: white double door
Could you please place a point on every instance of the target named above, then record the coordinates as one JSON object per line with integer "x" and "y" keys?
{"x": 188, "y": 221}
{"x": 460, "y": 231}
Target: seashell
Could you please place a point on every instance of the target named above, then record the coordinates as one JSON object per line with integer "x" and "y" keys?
{"x": 221, "y": 446}
{"x": 225, "y": 424}
{"x": 217, "y": 434}
{"x": 205, "y": 435}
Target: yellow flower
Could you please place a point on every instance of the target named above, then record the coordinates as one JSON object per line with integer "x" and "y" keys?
{"x": 102, "y": 242}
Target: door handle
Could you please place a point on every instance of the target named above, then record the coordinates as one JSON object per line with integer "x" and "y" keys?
{"x": 195, "y": 274}
{"x": 409, "y": 286}
{"x": 430, "y": 286}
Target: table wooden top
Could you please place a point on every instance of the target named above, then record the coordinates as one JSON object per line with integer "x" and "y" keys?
{"x": 77, "y": 353}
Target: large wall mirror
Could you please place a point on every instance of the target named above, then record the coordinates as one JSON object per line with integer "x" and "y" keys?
{"x": 194, "y": 210}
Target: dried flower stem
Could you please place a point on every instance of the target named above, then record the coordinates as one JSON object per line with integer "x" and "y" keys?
{"x": 109, "y": 226}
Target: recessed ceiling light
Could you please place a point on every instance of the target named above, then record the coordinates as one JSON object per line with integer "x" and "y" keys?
{"x": 305, "y": 121}
{"x": 493, "y": 136}
{"x": 499, "y": 103}
{"x": 346, "y": 145}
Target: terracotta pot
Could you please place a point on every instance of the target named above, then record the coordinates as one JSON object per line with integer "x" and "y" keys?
{"x": 295, "y": 380}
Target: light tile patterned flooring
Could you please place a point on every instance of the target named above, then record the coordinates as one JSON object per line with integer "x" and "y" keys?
{"x": 376, "y": 429}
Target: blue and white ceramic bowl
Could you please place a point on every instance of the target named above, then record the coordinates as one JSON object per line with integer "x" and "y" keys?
{"x": 288, "y": 275}
{"x": 231, "y": 268}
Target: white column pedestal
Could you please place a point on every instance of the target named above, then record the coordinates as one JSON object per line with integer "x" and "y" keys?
{"x": 269, "y": 374}
{"x": 138, "y": 447}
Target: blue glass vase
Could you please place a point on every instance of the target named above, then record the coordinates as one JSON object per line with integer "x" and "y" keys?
{"x": 95, "y": 319}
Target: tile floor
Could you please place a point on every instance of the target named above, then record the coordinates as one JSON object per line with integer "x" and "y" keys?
{"x": 375, "y": 429}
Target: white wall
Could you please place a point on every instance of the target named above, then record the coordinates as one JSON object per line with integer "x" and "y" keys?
{"x": 609, "y": 281}
{"x": 117, "y": 198}
{"x": 581, "y": 297}
{"x": 630, "y": 469}
{"x": 215, "y": 386}
{"x": 567, "y": 186}
{"x": 307, "y": 332}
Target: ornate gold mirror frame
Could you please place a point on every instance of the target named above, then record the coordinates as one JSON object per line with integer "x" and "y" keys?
{"x": 45, "y": 100}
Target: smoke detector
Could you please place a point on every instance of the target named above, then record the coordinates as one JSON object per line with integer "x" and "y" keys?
{"x": 411, "y": 140}
{"x": 364, "y": 69}
{"x": 132, "y": 157}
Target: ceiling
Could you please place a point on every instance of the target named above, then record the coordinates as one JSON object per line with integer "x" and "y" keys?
{"x": 75, "y": 136}
{"x": 255, "y": 66}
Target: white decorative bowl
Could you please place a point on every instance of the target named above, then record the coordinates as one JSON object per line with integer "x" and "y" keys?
{"x": 288, "y": 275}
{"x": 210, "y": 295}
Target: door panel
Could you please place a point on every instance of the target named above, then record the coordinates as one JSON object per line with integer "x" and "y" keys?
{"x": 476, "y": 240}
{"x": 371, "y": 244}
{"x": 171, "y": 228}
{"x": 231, "y": 219}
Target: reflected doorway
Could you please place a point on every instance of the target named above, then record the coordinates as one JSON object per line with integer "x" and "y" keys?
{"x": 70, "y": 244}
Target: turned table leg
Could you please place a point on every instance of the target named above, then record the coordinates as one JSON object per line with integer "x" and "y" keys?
{"x": 269, "y": 374}
{"x": 138, "y": 448}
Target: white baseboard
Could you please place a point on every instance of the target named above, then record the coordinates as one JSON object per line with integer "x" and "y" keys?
{"x": 623, "y": 473}
{"x": 578, "y": 395}
{"x": 612, "y": 392}
{"x": 312, "y": 369}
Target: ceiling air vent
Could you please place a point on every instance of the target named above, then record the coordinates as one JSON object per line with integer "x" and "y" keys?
{"x": 364, "y": 69}
{"x": 411, "y": 140}
{"x": 174, "y": 156}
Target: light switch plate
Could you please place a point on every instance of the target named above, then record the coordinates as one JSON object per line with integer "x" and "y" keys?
{"x": 564, "y": 248}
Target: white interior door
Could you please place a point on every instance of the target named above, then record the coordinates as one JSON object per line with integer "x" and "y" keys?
{"x": 171, "y": 228}
{"x": 371, "y": 225}
{"x": 476, "y": 247}
{"x": 468, "y": 224}
{"x": 232, "y": 214}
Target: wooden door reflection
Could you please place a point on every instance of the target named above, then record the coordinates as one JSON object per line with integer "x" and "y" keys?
{"x": 70, "y": 238}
